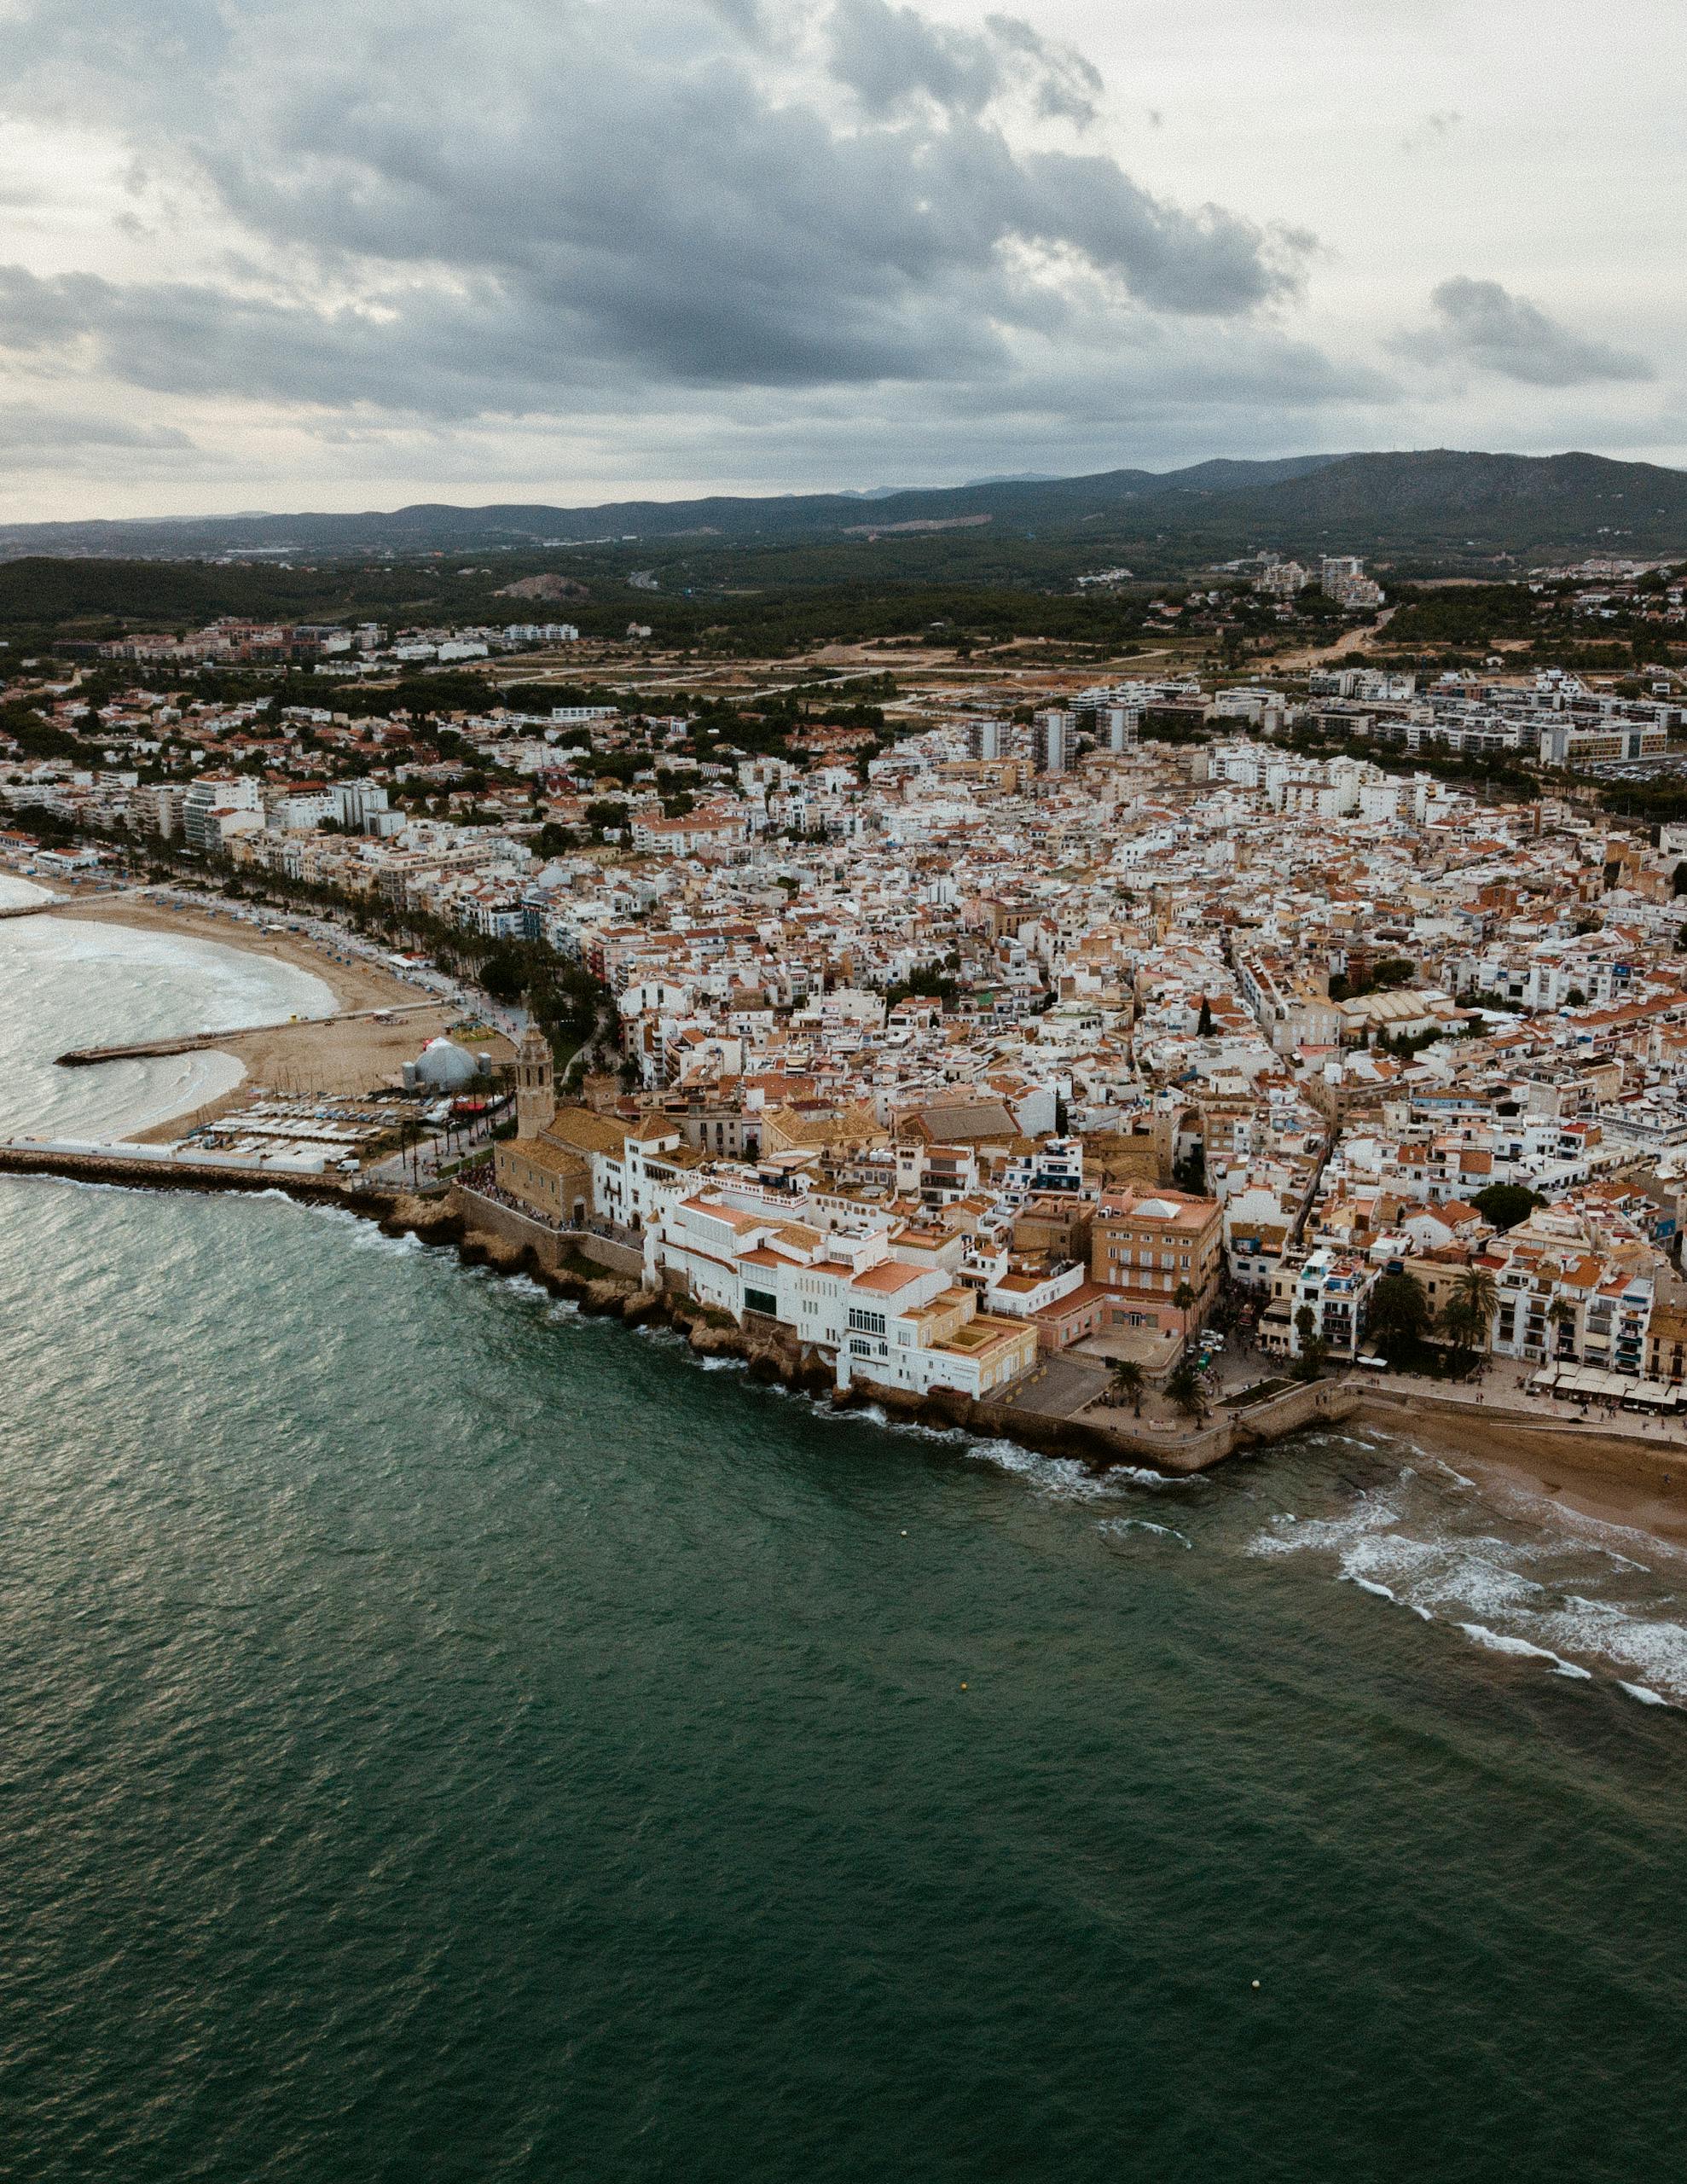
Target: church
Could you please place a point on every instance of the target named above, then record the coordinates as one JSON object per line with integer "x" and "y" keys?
{"x": 547, "y": 1168}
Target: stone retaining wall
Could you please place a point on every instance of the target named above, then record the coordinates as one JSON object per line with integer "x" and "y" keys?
{"x": 553, "y": 1247}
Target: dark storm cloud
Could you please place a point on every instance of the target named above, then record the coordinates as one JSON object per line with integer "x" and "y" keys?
{"x": 598, "y": 205}
{"x": 1479, "y": 324}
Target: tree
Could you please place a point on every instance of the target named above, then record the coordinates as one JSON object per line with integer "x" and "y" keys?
{"x": 1190, "y": 1174}
{"x": 1203, "y": 1027}
{"x": 1127, "y": 1384}
{"x": 1467, "y": 1317}
{"x": 504, "y": 975}
{"x": 1506, "y": 1203}
{"x": 1397, "y": 1316}
{"x": 1183, "y": 1297}
{"x": 1313, "y": 1348}
{"x": 1186, "y": 1389}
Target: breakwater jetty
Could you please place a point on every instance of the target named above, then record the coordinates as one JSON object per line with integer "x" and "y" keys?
{"x": 200, "y": 1041}
{"x": 48, "y": 903}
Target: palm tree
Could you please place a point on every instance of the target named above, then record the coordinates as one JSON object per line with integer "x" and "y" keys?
{"x": 1183, "y": 1297}
{"x": 1127, "y": 1384}
{"x": 1468, "y": 1315}
{"x": 1397, "y": 1316}
{"x": 1562, "y": 1314}
{"x": 1186, "y": 1389}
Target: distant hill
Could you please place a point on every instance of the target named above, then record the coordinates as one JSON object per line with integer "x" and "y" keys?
{"x": 1441, "y": 497}
{"x": 1439, "y": 504}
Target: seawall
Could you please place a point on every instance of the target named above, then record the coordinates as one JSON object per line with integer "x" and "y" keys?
{"x": 602, "y": 1275}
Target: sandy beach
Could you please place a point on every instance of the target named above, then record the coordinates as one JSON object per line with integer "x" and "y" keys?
{"x": 354, "y": 984}
{"x": 346, "y": 1055}
{"x": 1631, "y": 1475}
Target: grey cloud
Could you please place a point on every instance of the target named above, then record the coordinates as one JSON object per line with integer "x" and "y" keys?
{"x": 645, "y": 199}
{"x": 888, "y": 55}
{"x": 1433, "y": 129}
{"x": 33, "y": 439}
{"x": 708, "y": 218}
{"x": 1066, "y": 84}
{"x": 1479, "y": 324}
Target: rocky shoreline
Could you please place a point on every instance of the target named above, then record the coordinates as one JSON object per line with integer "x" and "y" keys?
{"x": 767, "y": 1356}
{"x": 771, "y": 1355}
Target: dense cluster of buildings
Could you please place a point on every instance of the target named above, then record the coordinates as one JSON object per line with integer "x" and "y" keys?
{"x": 1024, "y": 1034}
{"x": 1339, "y": 576}
{"x": 332, "y": 649}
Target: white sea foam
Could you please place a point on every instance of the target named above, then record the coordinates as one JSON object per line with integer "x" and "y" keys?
{"x": 1646, "y": 1697}
{"x": 1117, "y": 1526}
{"x": 1059, "y": 1476}
{"x": 1501, "y": 1641}
{"x": 1156, "y": 1481}
{"x": 1653, "y": 1646}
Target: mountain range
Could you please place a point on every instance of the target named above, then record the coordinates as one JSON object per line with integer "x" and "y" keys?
{"x": 1438, "y": 504}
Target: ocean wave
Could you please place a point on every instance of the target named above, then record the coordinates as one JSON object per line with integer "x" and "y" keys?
{"x": 1061, "y": 1476}
{"x": 1117, "y": 1526}
{"x": 1653, "y": 1646}
{"x": 1502, "y": 1641}
{"x": 1646, "y": 1697}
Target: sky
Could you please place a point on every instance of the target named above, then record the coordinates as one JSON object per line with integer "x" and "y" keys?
{"x": 336, "y": 254}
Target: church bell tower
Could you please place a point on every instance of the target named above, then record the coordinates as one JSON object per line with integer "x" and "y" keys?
{"x": 535, "y": 1083}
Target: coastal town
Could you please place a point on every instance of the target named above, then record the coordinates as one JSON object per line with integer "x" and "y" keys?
{"x": 1134, "y": 1041}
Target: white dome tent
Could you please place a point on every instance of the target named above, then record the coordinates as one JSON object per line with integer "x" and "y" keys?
{"x": 445, "y": 1067}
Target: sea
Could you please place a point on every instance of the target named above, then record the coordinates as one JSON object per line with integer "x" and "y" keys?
{"x": 443, "y": 1736}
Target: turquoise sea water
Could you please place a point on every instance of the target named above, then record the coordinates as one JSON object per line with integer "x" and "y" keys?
{"x": 445, "y": 1737}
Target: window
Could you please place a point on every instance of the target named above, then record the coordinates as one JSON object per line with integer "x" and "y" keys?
{"x": 864, "y": 1322}
{"x": 761, "y": 1300}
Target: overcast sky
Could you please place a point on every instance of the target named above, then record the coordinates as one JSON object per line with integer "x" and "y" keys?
{"x": 335, "y": 254}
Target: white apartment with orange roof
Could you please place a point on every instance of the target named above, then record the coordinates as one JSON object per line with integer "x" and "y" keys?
{"x": 843, "y": 1295}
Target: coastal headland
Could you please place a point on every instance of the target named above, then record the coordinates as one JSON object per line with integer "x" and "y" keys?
{"x": 1607, "y": 1475}
{"x": 1617, "y": 1474}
